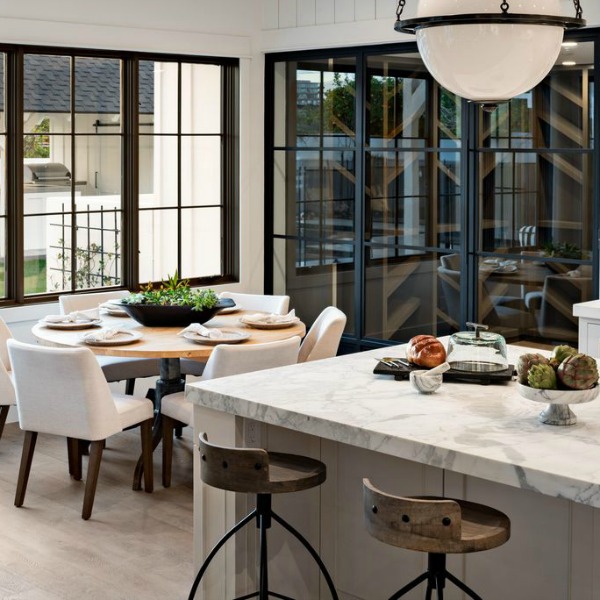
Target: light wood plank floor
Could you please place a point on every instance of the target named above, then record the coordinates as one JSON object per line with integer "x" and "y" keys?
{"x": 135, "y": 545}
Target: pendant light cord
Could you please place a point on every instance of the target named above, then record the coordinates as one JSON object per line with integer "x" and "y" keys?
{"x": 578, "y": 11}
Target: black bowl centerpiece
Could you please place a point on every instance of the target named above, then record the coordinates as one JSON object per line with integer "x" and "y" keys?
{"x": 173, "y": 304}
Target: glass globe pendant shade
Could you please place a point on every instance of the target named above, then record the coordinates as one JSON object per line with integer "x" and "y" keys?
{"x": 488, "y": 55}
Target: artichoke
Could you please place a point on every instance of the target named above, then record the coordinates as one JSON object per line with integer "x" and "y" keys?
{"x": 542, "y": 377}
{"x": 578, "y": 372}
{"x": 525, "y": 362}
{"x": 559, "y": 353}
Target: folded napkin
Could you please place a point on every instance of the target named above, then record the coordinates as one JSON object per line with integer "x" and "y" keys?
{"x": 272, "y": 318}
{"x": 103, "y": 334}
{"x": 202, "y": 331}
{"x": 78, "y": 316}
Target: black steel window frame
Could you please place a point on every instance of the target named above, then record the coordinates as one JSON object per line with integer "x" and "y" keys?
{"x": 469, "y": 152}
{"x": 13, "y": 107}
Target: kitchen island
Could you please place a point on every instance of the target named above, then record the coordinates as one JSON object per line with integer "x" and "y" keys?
{"x": 481, "y": 443}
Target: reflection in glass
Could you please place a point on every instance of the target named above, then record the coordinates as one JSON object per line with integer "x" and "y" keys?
{"x": 332, "y": 283}
{"x": 201, "y": 230}
{"x": 3, "y": 258}
{"x": 536, "y": 202}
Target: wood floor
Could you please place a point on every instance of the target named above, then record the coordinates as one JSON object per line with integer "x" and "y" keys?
{"x": 135, "y": 546}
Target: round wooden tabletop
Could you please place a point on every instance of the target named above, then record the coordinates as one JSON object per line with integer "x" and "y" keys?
{"x": 162, "y": 342}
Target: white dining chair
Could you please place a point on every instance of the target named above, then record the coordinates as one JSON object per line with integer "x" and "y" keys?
{"x": 323, "y": 338}
{"x": 7, "y": 390}
{"x": 114, "y": 368}
{"x": 277, "y": 305}
{"x": 62, "y": 391}
{"x": 225, "y": 360}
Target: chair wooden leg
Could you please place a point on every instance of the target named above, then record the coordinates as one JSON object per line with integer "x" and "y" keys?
{"x": 75, "y": 458}
{"x": 3, "y": 414}
{"x": 168, "y": 426}
{"x": 96, "y": 449}
{"x": 25, "y": 468}
{"x": 146, "y": 434}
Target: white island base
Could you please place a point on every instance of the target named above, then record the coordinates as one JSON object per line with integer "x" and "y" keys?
{"x": 480, "y": 443}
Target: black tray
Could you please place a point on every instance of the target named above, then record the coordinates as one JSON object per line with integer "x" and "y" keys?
{"x": 403, "y": 372}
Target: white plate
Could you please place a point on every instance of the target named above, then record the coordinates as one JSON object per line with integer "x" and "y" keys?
{"x": 120, "y": 339}
{"x": 262, "y": 325}
{"x": 231, "y": 309}
{"x": 73, "y": 325}
{"x": 114, "y": 308}
{"x": 230, "y": 336}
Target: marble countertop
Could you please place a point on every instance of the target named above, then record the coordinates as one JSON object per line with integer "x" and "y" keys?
{"x": 483, "y": 431}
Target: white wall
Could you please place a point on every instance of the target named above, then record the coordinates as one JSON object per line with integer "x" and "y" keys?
{"x": 301, "y": 24}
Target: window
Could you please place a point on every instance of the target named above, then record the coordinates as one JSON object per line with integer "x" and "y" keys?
{"x": 415, "y": 211}
{"x": 115, "y": 170}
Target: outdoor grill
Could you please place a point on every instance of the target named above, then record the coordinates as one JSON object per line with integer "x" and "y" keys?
{"x": 46, "y": 175}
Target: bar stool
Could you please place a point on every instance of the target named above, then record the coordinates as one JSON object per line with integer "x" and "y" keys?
{"x": 438, "y": 526}
{"x": 256, "y": 471}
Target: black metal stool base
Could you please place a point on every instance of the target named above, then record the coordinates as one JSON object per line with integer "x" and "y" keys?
{"x": 263, "y": 514}
{"x": 436, "y": 576}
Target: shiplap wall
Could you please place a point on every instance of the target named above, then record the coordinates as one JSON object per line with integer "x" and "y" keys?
{"x": 284, "y": 14}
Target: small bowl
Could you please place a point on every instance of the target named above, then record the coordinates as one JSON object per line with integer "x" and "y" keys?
{"x": 425, "y": 383}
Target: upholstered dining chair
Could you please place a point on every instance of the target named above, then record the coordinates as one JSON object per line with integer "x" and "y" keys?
{"x": 62, "y": 391}
{"x": 225, "y": 360}
{"x": 323, "y": 338}
{"x": 7, "y": 390}
{"x": 114, "y": 368}
{"x": 277, "y": 305}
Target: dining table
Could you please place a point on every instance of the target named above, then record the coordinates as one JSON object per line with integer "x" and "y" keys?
{"x": 164, "y": 343}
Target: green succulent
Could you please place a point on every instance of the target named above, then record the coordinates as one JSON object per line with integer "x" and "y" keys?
{"x": 174, "y": 292}
{"x": 542, "y": 377}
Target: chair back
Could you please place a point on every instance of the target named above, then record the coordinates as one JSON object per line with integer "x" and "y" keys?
{"x": 226, "y": 359}
{"x": 73, "y": 302}
{"x": 411, "y": 523}
{"x": 277, "y": 305}
{"x": 62, "y": 391}
{"x": 323, "y": 338}
{"x": 233, "y": 469}
{"x": 7, "y": 388}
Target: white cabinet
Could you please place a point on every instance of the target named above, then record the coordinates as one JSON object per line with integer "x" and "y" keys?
{"x": 589, "y": 326}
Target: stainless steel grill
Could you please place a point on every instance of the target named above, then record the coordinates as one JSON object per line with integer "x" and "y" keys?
{"x": 46, "y": 175}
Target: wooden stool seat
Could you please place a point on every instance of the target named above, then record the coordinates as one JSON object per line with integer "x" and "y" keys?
{"x": 435, "y": 525}
{"x": 256, "y": 471}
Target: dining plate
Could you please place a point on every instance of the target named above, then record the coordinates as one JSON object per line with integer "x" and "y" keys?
{"x": 263, "y": 325}
{"x": 113, "y": 308}
{"x": 230, "y": 336}
{"x": 72, "y": 325}
{"x": 230, "y": 310}
{"x": 120, "y": 339}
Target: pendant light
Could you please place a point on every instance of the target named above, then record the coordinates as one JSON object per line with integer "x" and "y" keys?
{"x": 493, "y": 53}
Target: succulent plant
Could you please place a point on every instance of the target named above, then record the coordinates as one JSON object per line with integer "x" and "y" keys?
{"x": 525, "y": 362}
{"x": 559, "y": 353}
{"x": 542, "y": 377}
{"x": 578, "y": 372}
